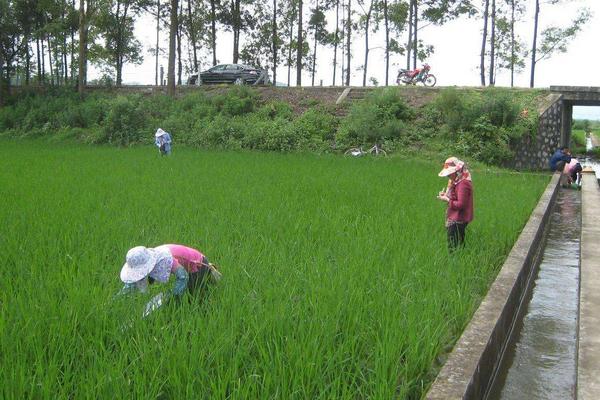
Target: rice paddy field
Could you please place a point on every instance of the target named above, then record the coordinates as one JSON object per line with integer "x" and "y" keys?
{"x": 337, "y": 281}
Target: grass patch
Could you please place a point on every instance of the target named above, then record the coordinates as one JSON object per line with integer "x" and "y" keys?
{"x": 337, "y": 282}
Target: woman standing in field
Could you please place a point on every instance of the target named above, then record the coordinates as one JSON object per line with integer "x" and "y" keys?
{"x": 145, "y": 266}
{"x": 459, "y": 196}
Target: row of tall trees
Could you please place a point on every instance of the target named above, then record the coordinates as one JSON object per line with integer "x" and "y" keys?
{"x": 503, "y": 49}
{"x": 52, "y": 41}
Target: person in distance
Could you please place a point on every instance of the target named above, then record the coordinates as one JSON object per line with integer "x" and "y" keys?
{"x": 162, "y": 139}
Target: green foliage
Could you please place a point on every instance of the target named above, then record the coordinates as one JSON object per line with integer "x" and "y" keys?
{"x": 123, "y": 121}
{"x": 483, "y": 124}
{"x": 381, "y": 116}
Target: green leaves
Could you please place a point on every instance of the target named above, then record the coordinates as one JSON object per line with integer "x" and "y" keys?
{"x": 556, "y": 39}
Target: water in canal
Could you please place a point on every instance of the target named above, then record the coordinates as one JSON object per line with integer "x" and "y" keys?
{"x": 541, "y": 362}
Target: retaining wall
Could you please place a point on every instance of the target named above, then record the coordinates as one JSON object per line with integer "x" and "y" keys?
{"x": 534, "y": 153}
{"x": 472, "y": 365}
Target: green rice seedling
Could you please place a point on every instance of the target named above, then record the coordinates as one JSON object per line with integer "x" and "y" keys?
{"x": 337, "y": 281}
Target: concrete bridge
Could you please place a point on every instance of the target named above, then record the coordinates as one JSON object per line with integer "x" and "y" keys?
{"x": 554, "y": 130}
{"x": 574, "y": 96}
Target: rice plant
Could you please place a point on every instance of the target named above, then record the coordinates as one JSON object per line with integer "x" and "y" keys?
{"x": 337, "y": 281}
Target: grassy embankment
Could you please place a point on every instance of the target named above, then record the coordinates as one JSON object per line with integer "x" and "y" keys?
{"x": 337, "y": 282}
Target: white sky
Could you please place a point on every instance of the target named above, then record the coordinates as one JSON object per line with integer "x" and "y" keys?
{"x": 454, "y": 62}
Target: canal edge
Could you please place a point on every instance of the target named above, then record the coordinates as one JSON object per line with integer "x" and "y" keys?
{"x": 588, "y": 358}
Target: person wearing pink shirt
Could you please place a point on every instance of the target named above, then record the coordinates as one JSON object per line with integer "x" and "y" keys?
{"x": 146, "y": 265}
{"x": 459, "y": 196}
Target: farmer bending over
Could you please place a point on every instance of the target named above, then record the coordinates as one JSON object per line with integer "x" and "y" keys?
{"x": 148, "y": 265}
{"x": 163, "y": 140}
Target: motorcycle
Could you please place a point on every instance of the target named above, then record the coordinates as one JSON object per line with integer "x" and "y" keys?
{"x": 419, "y": 75}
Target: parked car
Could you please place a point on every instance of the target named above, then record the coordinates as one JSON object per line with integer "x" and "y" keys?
{"x": 238, "y": 74}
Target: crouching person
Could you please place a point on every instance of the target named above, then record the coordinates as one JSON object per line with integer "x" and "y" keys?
{"x": 145, "y": 266}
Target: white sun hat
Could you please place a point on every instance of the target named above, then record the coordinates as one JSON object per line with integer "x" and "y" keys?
{"x": 159, "y": 132}
{"x": 139, "y": 262}
{"x": 451, "y": 165}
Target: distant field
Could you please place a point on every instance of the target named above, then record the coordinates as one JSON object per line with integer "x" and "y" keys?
{"x": 337, "y": 282}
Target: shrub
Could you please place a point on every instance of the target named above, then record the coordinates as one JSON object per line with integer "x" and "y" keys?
{"x": 237, "y": 101}
{"x": 380, "y": 116}
{"x": 124, "y": 123}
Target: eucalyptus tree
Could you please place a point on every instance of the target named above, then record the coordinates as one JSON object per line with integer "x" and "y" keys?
{"x": 215, "y": 5}
{"x": 88, "y": 33}
{"x": 299, "y": 46}
{"x": 335, "y": 37}
{"x": 436, "y": 12}
{"x": 237, "y": 18}
{"x": 348, "y": 39}
{"x": 554, "y": 39}
{"x": 115, "y": 23}
{"x": 395, "y": 15}
{"x": 365, "y": 25}
{"x": 172, "y": 37}
{"x": 507, "y": 50}
{"x": 286, "y": 34}
{"x": 318, "y": 25}
{"x": 510, "y": 50}
{"x": 11, "y": 41}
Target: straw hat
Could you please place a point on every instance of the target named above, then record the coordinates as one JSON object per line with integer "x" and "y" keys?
{"x": 451, "y": 165}
{"x": 139, "y": 262}
{"x": 159, "y": 132}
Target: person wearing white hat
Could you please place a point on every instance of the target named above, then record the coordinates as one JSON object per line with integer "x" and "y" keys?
{"x": 459, "y": 196}
{"x": 163, "y": 140}
{"x": 145, "y": 266}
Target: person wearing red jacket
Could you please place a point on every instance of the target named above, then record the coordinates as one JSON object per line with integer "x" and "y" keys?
{"x": 459, "y": 196}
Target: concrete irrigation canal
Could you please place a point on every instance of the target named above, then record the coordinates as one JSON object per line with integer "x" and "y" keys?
{"x": 536, "y": 335}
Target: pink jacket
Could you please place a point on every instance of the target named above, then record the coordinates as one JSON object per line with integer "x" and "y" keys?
{"x": 460, "y": 206}
{"x": 191, "y": 259}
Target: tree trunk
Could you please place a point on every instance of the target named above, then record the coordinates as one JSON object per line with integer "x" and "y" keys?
{"x": 410, "y": 33}
{"x": 367, "y": 22}
{"x": 64, "y": 52}
{"x": 275, "y": 42}
{"x": 343, "y": 46}
{"x": 483, "y": 43}
{"x": 213, "y": 31}
{"x": 387, "y": 41}
{"x": 314, "y": 64}
{"x": 534, "y": 45}
{"x": 179, "y": 65}
{"x": 415, "y": 34}
{"x": 289, "y": 76}
{"x": 27, "y": 61}
{"x": 192, "y": 35}
{"x": 172, "y": 37}
{"x": 299, "y": 50}
{"x": 43, "y": 60}
{"x": 1, "y": 79}
{"x": 348, "y": 33}
{"x": 157, "y": 43}
{"x": 50, "y": 66}
{"x": 512, "y": 44}
{"x": 236, "y": 30}
{"x": 39, "y": 61}
{"x": 492, "y": 80}
{"x": 72, "y": 69}
{"x": 336, "y": 38}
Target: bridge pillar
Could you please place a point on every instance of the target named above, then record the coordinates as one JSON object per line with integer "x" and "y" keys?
{"x": 566, "y": 121}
